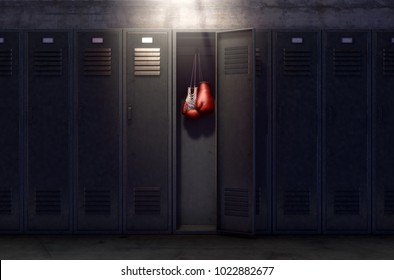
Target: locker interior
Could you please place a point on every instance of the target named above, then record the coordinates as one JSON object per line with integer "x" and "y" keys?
{"x": 195, "y": 194}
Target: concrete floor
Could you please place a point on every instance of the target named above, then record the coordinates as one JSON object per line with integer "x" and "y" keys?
{"x": 195, "y": 247}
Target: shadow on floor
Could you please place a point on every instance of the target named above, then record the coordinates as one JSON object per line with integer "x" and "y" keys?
{"x": 173, "y": 247}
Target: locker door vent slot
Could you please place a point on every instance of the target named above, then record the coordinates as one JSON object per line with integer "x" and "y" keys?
{"x": 5, "y": 202}
{"x": 258, "y": 200}
{"x": 347, "y": 62}
{"x": 236, "y": 202}
{"x": 147, "y": 201}
{"x": 48, "y": 202}
{"x": 6, "y": 62}
{"x": 388, "y": 62}
{"x": 236, "y": 60}
{"x": 389, "y": 202}
{"x": 147, "y": 61}
{"x": 97, "y": 62}
{"x": 347, "y": 202}
{"x": 97, "y": 202}
{"x": 48, "y": 63}
{"x": 297, "y": 63}
{"x": 297, "y": 203}
{"x": 259, "y": 63}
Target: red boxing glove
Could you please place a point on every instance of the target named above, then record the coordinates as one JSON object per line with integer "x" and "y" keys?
{"x": 204, "y": 102}
{"x": 189, "y": 106}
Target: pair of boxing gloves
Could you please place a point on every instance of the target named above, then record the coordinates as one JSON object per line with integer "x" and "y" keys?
{"x": 199, "y": 101}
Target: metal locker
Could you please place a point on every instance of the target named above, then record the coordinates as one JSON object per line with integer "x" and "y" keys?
{"x": 47, "y": 97}
{"x": 195, "y": 194}
{"x": 10, "y": 117}
{"x": 147, "y": 130}
{"x": 98, "y": 91}
{"x": 263, "y": 132}
{"x": 235, "y": 126}
{"x": 296, "y": 141}
{"x": 346, "y": 132}
{"x": 383, "y": 131}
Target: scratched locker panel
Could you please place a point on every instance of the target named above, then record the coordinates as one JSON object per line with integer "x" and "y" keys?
{"x": 98, "y": 91}
{"x": 48, "y": 184}
{"x": 383, "y": 120}
{"x": 147, "y": 118}
{"x": 346, "y": 122}
{"x": 10, "y": 80}
{"x": 296, "y": 132}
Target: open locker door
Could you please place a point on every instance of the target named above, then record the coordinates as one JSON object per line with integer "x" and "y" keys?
{"x": 235, "y": 130}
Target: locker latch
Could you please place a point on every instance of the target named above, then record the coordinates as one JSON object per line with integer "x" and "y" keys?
{"x": 129, "y": 112}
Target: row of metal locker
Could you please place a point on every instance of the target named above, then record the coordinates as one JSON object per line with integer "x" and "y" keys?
{"x": 93, "y": 139}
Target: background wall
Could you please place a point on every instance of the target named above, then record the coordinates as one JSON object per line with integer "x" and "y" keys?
{"x": 368, "y": 14}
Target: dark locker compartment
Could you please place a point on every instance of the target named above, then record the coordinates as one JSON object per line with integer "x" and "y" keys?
{"x": 235, "y": 126}
{"x": 48, "y": 184}
{"x": 10, "y": 184}
{"x": 98, "y": 90}
{"x": 147, "y": 130}
{"x": 383, "y": 131}
{"x": 195, "y": 195}
{"x": 296, "y": 156}
{"x": 346, "y": 139}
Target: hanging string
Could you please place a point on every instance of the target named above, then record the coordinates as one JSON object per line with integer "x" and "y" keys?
{"x": 199, "y": 67}
{"x": 193, "y": 72}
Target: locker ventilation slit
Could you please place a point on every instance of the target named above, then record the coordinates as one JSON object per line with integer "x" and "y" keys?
{"x": 147, "y": 61}
{"x": 5, "y": 202}
{"x": 347, "y": 202}
{"x": 236, "y": 60}
{"x": 388, "y": 62}
{"x": 97, "y": 62}
{"x": 258, "y": 200}
{"x": 347, "y": 62}
{"x": 48, "y": 202}
{"x": 297, "y": 203}
{"x": 389, "y": 202}
{"x": 236, "y": 202}
{"x": 97, "y": 202}
{"x": 297, "y": 63}
{"x": 48, "y": 62}
{"x": 147, "y": 201}
{"x": 259, "y": 63}
{"x": 6, "y": 62}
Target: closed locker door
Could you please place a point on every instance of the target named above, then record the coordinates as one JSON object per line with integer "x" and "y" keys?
{"x": 296, "y": 132}
{"x": 47, "y": 186}
{"x": 147, "y": 124}
{"x": 10, "y": 81}
{"x": 383, "y": 127}
{"x": 98, "y": 89}
{"x": 263, "y": 131}
{"x": 235, "y": 130}
{"x": 346, "y": 132}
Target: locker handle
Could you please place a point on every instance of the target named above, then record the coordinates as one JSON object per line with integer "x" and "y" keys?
{"x": 380, "y": 114}
{"x": 129, "y": 112}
